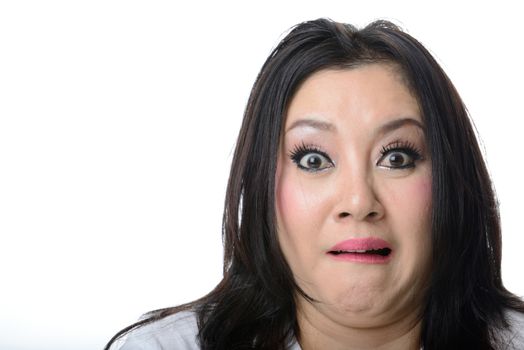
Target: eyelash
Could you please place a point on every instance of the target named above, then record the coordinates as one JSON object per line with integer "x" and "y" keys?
{"x": 401, "y": 146}
{"x": 301, "y": 150}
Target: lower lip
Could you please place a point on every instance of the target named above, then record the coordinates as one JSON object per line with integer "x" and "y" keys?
{"x": 362, "y": 258}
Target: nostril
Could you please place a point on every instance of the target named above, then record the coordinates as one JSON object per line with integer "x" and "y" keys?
{"x": 371, "y": 215}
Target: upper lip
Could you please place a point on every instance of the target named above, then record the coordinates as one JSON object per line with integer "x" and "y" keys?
{"x": 362, "y": 244}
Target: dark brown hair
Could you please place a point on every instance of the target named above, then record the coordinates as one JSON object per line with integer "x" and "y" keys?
{"x": 253, "y": 307}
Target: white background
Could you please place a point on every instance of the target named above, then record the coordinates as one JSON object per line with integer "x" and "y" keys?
{"x": 117, "y": 125}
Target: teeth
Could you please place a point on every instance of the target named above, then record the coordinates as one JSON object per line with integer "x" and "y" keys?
{"x": 382, "y": 251}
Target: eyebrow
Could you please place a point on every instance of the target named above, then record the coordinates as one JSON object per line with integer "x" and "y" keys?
{"x": 312, "y": 123}
{"x": 382, "y": 130}
{"x": 397, "y": 124}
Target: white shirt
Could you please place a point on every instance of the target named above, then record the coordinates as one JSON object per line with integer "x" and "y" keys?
{"x": 179, "y": 331}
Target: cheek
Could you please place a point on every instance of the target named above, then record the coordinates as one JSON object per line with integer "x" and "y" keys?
{"x": 300, "y": 203}
{"x": 410, "y": 212}
{"x": 301, "y": 207}
{"x": 292, "y": 201}
{"x": 289, "y": 211}
{"x": 418, "y": 199}
{"x": 409, "y": 200}
{"x": 292, "y": 204}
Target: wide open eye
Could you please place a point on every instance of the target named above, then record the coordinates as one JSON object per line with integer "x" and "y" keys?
{"x": 399, "y": 156}
{"x": 314, "y": 161}
{"x": 310, "y": 158}
{"x": 397, "y": 159}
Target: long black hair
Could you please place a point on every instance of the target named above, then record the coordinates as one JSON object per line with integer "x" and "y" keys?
{"x": 253, "y": 307}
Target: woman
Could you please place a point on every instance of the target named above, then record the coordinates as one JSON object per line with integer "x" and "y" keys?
{"x": 359, "y": 211}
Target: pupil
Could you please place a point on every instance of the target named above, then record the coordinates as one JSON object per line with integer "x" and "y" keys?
{"x": 314, "y": 161}
{"x": 396, "y": 159}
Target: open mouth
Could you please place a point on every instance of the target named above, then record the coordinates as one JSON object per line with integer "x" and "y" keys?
{"x": 366, "y": 250}
{"x": 381, "y": 252}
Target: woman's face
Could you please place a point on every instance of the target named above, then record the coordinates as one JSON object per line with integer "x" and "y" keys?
{"x": 353, "y": 191}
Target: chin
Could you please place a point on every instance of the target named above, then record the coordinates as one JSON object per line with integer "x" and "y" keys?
{"x": 361, "y": 304}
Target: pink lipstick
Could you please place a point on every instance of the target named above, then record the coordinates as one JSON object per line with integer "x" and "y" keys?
{"x": 368, "y": 250}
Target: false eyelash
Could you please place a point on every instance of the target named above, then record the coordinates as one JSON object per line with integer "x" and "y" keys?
{"x": 404, "y": 146}
{"x": 302, "y": 149}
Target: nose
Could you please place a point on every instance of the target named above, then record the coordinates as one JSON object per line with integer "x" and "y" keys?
{"x": 357, "y": 198}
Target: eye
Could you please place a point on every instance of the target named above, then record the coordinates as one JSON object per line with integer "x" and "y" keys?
{"x": 399, "y": 155}
{"x": 310, "y": 158}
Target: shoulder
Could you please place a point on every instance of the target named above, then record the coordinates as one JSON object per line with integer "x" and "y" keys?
{"x": 177, "y": 331}
{"x": 514, "y": 335}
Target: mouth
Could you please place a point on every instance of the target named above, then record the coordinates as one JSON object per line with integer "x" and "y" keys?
{"x": 380, "y": 252}
{"x": 368, "y": 250}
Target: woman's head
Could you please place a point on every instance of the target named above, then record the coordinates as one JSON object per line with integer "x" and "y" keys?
{"x": 353, "y": 194}
{"x": 459, "y": 227}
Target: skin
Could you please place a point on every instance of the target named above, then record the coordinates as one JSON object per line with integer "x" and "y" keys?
{"x": 352, "y": 190}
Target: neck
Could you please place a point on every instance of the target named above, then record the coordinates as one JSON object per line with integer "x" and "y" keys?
{"x": 317, "y": 331}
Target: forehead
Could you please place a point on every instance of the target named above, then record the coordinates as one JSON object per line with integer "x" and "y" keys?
{"x": 367, "y": 94}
